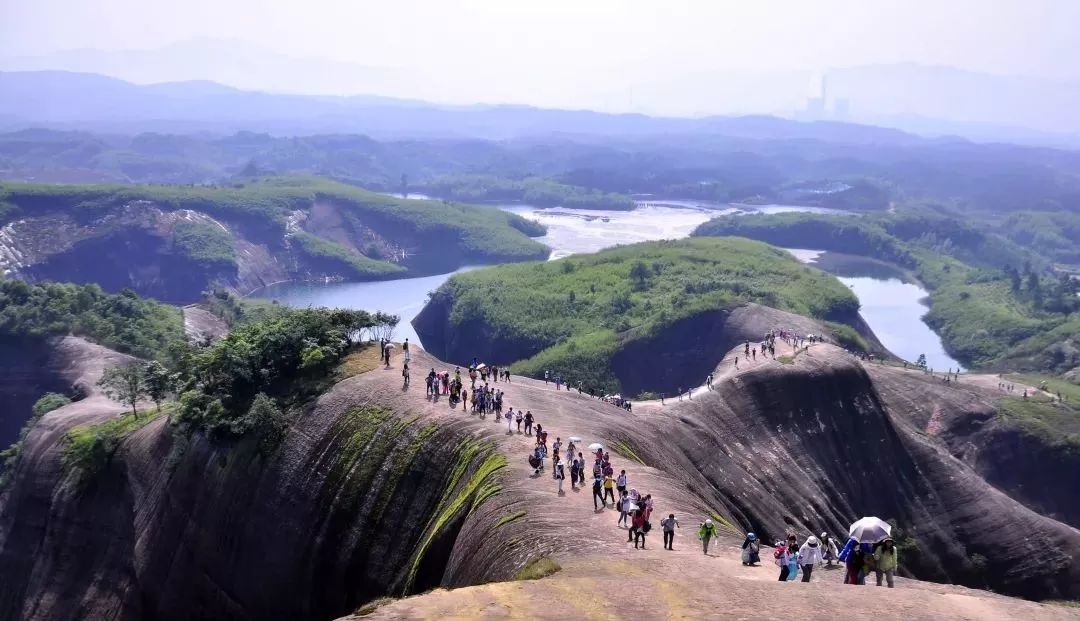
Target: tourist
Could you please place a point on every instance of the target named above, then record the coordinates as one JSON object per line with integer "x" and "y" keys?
{"x": 669, "y": 525}
{"x": 886, "y": 560}
{"x": 404, "y": 376}
{"x": 639, "y": 527}
{"x": 750, "y": 554}
{"x": 736, "y": 362}
{"x": 856, "y": 566}
{"x": 828, "y": 549}
{"x": 560, "y": 474}
{"x": 809, "y": 556}
{"x": 793, "y": 558}
{"x": 706, "y": 532}
{"x": 598, "y": 493}
{"x": 781, "y": 558}
{"x": 510, "y": 422}
{"x": 708, "y": 381}
{"x": 609, "y": 490}
{"x": 620, "y": 482}
{"x": 581, "y": 469}
{"x": 520, "y": 417}
{"x": 528, "y": 422}
{"x": 624, "y": 508}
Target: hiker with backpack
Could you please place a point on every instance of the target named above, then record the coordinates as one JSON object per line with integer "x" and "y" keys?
{"x": 706, "y": 532}
{"x": 750, "y": 554}
{"x": 828, "y": 549}
{"x": 669, "y": 525}
{"x": 886, "y": 559}
{"x": 780, "y": 558}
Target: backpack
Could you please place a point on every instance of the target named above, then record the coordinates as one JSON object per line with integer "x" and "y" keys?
{"x": 647, "y": 526}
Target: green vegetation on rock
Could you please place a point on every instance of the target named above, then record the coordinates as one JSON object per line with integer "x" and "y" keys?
{"x": 537, "y": 568}
{"x": 352, "y": 263}
{"x": 989, "y": 312}
{"x": 206, "y": 243}
{"x": 124, "y": 322}
{"x": 570, "y": 316}
{"x": 49, "y": 402}
{"x": 88, "y": 448}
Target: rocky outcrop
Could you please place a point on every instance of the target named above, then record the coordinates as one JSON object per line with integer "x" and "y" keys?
{"x": 378, "y": 491}
{"x": 364, "y": 497}
{"x": 809, "y": 446}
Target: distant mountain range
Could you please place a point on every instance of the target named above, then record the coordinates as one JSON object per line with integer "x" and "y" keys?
{"x": 222, "y": 80}
{"x": 66, "y": 100}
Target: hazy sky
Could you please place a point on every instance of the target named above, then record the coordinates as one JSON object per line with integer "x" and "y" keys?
{"x": 1035, "y": 37}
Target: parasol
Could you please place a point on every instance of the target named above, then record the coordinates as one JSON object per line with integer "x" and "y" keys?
{"x": 870, "y": 530}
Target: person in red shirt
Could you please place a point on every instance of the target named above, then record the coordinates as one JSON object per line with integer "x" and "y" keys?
{"x": 637, "y": 524}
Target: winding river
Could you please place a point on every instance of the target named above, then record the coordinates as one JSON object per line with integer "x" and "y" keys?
{"x": 891, "y": 307}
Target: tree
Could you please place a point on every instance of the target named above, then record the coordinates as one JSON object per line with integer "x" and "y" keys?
{"x": 921, "y": 362}
{"x": 124, "y": 384}
{"x": 158, "y": 381}
{"x": 639, "y": 272}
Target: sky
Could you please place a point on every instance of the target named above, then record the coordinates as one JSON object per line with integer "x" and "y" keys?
{"x": 605, "y": 53}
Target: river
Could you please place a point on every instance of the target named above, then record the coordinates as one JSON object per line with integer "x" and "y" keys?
{"x": 890, "y": 306}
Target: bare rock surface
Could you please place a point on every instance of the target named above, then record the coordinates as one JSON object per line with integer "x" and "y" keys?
{"x": 377, "y": 490}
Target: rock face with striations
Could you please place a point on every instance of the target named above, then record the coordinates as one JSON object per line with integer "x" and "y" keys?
{"x": 377, "y": 491}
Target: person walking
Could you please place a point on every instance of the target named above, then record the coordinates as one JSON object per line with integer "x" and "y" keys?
{"x": 886, "y": 559}
{"x": 706, "y": 532}
{"x": 781, "y": 558}
{"x": 609, "y": 490}
{"x": 624, "y": 509}
{"x": 639, "y": 527}
{"x": 528, "y": 422}
{"x": 809, "y": 556}
{"x": 560, "y": 474}
{"x": 620, "y": 482}
{"x": 669, "y": 524}
{"x": 598, "y": 493}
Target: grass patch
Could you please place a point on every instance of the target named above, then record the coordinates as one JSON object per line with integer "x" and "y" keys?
{"x": 1057, "y": 424}
{"x": 622, "y": 448}
{"x": 372, "y": 606}
{"x": 786, "y": 359}
{"x": 88, "y": 448}
{"x": 359, "y": 362}
{"x": 513, "y": 517}
{"x": 719, "y": 519}
{"x": 537, "y": 568}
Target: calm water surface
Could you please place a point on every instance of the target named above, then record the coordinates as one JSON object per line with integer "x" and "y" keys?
{"x": 891, "y": 307}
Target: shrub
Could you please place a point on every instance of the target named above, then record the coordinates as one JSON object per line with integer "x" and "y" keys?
{"x": 49, "y": 402}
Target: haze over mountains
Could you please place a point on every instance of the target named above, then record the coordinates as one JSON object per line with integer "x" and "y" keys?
{"x": 223, "y": 82}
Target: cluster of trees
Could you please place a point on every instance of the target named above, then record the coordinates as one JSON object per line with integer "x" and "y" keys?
{"x": 135, "y": 381}
{"x": 124, "y": 321}
{"x": 1054, "y": 296}
{"x": 278, "y": 358}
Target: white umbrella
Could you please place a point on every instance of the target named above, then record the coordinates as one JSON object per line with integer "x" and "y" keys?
{"x": 870, "y": 530}
{"x": 595, "y": 446}
{"x": 575, "y": 439}
{"x": 390, "y": 346}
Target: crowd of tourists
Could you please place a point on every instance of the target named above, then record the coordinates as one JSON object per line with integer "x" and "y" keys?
{"x": 613, "y": 491}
